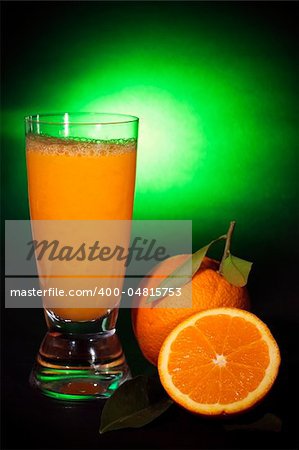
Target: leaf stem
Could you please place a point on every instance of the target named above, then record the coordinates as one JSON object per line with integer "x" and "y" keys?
{"x": 228, "y": 237}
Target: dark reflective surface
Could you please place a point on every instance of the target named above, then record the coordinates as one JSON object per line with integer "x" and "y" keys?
{"x": 32, "y": 421}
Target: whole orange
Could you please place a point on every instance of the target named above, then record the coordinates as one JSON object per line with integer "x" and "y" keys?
{"x": 152, "y": 322}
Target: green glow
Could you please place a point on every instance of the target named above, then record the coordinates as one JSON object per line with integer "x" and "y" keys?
{"x": 57, "y": 374}
{"x": 60, "y": 377}
{"x": 60, "y": 396}
{"x": 215, "y": 101}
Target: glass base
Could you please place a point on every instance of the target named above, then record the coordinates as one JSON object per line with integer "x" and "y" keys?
{"x": 79, "y": 367}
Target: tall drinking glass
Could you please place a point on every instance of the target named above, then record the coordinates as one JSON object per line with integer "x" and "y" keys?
{"x": 81, "y": 167}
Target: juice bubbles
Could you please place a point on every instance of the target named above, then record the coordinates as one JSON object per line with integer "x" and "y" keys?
{"x": 80, "y": 180}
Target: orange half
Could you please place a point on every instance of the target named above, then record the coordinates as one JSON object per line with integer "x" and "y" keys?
{"x": 219, "y": 361}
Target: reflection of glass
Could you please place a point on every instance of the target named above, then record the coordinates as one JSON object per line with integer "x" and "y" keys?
{"x": 80, "y": 167}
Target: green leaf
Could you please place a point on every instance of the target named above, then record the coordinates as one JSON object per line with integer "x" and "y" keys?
{"x": 236, "y": 270}
{"x": 134, "y": 404}
{"x": 269, "y": 422}
{"x": 181, "y": 275}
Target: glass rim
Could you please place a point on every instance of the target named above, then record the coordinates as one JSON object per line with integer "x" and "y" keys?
{"x": 118, "y": 118}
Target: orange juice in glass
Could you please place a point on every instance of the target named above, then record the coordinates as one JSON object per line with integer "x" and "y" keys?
{"x": 81, "y": 167}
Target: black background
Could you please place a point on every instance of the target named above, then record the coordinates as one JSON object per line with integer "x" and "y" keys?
{"x": 31, "y": 421}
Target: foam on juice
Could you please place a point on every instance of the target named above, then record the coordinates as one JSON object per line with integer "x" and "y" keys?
{"x": 78, "y": 146}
